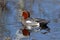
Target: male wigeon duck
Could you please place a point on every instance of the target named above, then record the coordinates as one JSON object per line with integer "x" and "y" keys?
{"x": 31, "y": 23}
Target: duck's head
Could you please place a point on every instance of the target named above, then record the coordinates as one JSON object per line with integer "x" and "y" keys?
{"x": 25, "y": 14}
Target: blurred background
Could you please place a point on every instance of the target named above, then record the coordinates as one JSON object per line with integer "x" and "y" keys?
{"x": 47, "y": 9}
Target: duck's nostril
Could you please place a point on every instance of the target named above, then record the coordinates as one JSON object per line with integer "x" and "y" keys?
{"x": 25, "y": 32}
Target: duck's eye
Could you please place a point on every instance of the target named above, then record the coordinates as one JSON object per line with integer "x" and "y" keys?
{"x": 25, "y": 14}
{"x": 25, "y": 32}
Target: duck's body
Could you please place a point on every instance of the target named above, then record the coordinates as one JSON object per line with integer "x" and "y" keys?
{"x": 31, "y": 23}
{"x": 41, "y": 24}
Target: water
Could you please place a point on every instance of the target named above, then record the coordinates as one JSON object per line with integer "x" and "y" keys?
{"x": 50, "y": 11}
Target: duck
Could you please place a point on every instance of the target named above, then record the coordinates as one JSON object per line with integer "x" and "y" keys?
{"x": 31, "y": 23}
